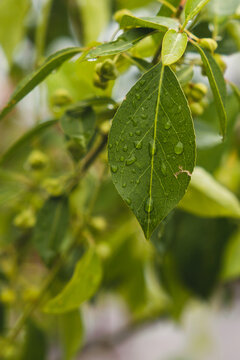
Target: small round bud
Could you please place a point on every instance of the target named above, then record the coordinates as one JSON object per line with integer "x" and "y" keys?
{"x": 100, "y": 83}
{"x": 53, "y": 186}
{"x": 77, "y": 148}
{"x": 103, "y": 250}
{"x": 31, "y": 294}
{"x": 98, "y": 223}
{"x": 196, "y": 109}
{"x": 25, "y": 219}
{"x": 208, "y": 43}
{"x": 198, "y": 91}
{"x": 120, "y": 13}
{"x": 60, "y": 98}
{"x": 107, "y": 70}
{"x": 37, "y": 160}
{"x": 7, "y": 296}
{"x": 220, "y": 62}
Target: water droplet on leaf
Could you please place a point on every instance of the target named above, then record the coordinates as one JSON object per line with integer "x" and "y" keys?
{"x": 178, "y": 148}
{"x": 148, "y": 205}
{"x": 152, "y": 148}
{"x": 114, "y": 168}
{"x": 131, "y": 160}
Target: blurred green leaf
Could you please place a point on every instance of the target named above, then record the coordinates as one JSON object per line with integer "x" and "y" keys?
{"x": 192, "y": 8}
{"x": 82, "y": 286}
{"x": 173, "y": 46}
{"x": 35, "y": 346}
{"x": 34, "y": 79}
{"x": 160, "y": 23}
{"x": 152, "y": 146}
{"x": 51, "y": 227}
{"x": 185, "y": 75}
{"x": 231, "y": 263}
{"x": 217, "y": 84}
{"x": 206, "y": 197}
{"x": 71, "y": 331}
{"x": 12, "y": 19}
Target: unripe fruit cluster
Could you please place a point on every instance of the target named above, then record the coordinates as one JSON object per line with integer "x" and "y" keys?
{"x": 195, "y": 94}
{"x": 105, "y": 71}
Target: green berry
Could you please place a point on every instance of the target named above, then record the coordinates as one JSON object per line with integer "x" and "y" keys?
{"x": 99, "y": 82}
{"x": 53, "y": 186}
{"x": 196, "y": 109}
{"x": 7, "y": 296}
{"x": 198, "y": 91}
{"x": 37, "y": 160}
{"x": 209, "y": 44}
{"x": 61, "y": 97}
{"x": 220, "y": 62}
{"x": 77, "y": 148}
{"x": 25, "y": 219}
{"x": 107, "y": 70}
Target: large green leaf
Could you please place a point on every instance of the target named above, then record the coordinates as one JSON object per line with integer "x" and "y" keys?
{"x": 152, "y": 147}
{"x": 71, "y": 330}
{"x": 217, "y": 84}
{"x": 160, "y": 23}
{"x": 192, "y": 8}
{"x": 82, "y": 286}
{"x": 173, "y": 46}
{"x": 206, "y": 197}
{"x": 34, "y": 79}
{"x": 123, "y": 43}
{"x": 51, "y": 226}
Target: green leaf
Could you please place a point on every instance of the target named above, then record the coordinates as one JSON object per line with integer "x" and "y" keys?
{"x": 152, "y": 147}
{"x": 166, "y": 11}
{"x": 35, "y": 344}
{"x": 34, "y": 79}
{"x": 173, "y": 46}
{"x": 25, "y": 139}
{"x": 79, "y": 123}
{"x": 160, "y": 23}
{"x": 206, "y": 197}
{"x": 71, "y": 331}
{"x": 192, "y": 8}
{"x": 217, "y": 84}
{"x": 123, "y": 43}
{"x": 12, "y": 17}
{"x": 236, "y": 91}
{"x": 185, "y": 75}
{"x": 82, "y": 286}
{"x": 231, "y": 263}
{"x": 51, "y": 227}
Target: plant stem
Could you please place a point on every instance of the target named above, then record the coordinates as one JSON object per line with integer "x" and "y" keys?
{"x": 167, "y": 4}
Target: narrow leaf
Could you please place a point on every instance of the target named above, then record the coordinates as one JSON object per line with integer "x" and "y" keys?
{"x": 123, "y": 43}
{"x": 236, "y": 91}
{"x": 217, "y": 84}
{"x": 152, "y": 147}
{"x": 206, "y": 197}
{"x": 192, "y": 8}
{"x": 71, "y": 328}
{"x": 173, "y": 47}
{"x": 25, "y": 139}
{"x": 231, "y": 263}
{"x": 160, "y": 23}
{"x": 34, "y": 79}
{"x": 51, "y": 226}
{"x": 82, "y": 286}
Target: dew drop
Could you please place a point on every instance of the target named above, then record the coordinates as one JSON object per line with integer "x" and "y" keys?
{"x": 122, "y": 158}
{"x": 134, "y": 171}
{"x": 125, "y": 148}
{"x": 114, "y": 168}
{"x": 148, "y": 205}
{"x": 131, "y": 160}
{"x": 142, "y": 82}
{"x": 178, "y": 148}
{"x": 124, "y": 185}
{"x": 134, "y": 121}
{"x": 138, "y": 132}
{"x": 128, "y": 201}
{"x": 143, "y": 116}
{"x": 164, "y": 169}
{"x": 167, "y": 125}
{"x": 138, "y": 97}
{"x": 152, "y": 148}
{"x": 137, "y": 181}
{"x": 164, "y": 140}
{"x": 110, "y": 146}
{"x": 117, "y": 142}
{"x": 122, "y": 139}
{"x": 138, "y": 145}
{"x": 131, "y": 134}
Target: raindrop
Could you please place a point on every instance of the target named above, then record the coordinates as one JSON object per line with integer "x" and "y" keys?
{"x": 125, "y": 148}
{"x": 110, "y": 146}
{"x": 152, "y": 148}
{"x": 148, "y": 205}
{"x": 131, "y": 134}
{"x": 117, "y": 142}
{"x": 142, "y": 82}
{"x": 138, "y": 132}
{"x": 122, "y": 158}
{"x": 143, "y": 116}
{"x": 114, "y": 168}
{"x": 133, "y": 171}
{"x": 167, "y": 125}
{"x": 128, "y": 201}
{"x": 178, "y": 148}
{"x": 122, "y": 139}
{"x": 164, "y": 169}
{"x": 134, "y": 121}
{"x": 138, "y": 96}
{"x": 124, "y": 185}
{"x": 131, "y": 160}
{"x": 137, "y": 181}
{"x": 138, "y": 145}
